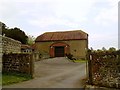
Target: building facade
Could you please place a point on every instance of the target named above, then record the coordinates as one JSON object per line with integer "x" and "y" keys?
{"x": 26, "y": 48}
{"x": 58, "y": 44}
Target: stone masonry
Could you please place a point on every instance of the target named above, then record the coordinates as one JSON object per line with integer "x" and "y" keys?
{"x": 9, "y": 45}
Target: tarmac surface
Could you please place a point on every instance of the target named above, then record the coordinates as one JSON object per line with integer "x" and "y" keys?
{"x": 55, "y": 73}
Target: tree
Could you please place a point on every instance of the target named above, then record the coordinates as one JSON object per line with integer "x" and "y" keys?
{"x": 17, "y": 34}
{"x": 98, "y": 50}
{"x": 3, "y": 28}
{"x": 91, "y": 49}
{"x": 103, "y": 49}
{"x": 112, "y": 49}
{"x": 31, "y": 40}
{"x": 14, "y": 33}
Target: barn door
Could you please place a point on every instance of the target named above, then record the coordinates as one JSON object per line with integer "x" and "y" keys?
{"x": 59, "y": 51}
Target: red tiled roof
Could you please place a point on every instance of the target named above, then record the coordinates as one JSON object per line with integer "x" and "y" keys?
{"x": 66, "y": 35}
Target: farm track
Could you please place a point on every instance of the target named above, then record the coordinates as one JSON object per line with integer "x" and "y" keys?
{"x": 55, "y": 73}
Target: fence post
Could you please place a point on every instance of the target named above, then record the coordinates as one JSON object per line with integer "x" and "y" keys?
{"x": 89, "y": 67}
{"x": 32, "y": 65}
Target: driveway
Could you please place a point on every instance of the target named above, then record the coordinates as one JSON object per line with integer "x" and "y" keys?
{"x": 55, "y": 73}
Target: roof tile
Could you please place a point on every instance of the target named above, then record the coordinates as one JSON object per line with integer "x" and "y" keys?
{"x": 65, "y": 35}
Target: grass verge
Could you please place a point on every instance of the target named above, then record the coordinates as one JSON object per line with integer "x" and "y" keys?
{"x": 11, "y": 78}
{"x": 80, "y": 60}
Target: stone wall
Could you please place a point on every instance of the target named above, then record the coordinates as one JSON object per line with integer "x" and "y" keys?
{"x": 104, "y": 69}
{"x": 0, "y": 54}
{"x": 14, "y": 62}
{"x": 9, "y": 45}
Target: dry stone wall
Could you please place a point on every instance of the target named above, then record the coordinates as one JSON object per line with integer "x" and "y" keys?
{"x": 104, "y": 69}
{"x": 12, "y": 58}
{"x": 22, "y": 63}
{"x": 9, "y": 45}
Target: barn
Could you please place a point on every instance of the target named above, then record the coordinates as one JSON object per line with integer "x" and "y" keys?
{"x": 58, "y": 44}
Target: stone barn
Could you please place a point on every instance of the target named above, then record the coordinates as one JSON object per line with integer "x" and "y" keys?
{"x": 58, "y": 44}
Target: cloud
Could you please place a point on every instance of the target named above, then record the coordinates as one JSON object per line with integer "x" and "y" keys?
{"x": 39, "y": 16}
{"x": 63, "y": 12}
{"x": 74, "y": 13}
{"x": 108, "y": 16}
{"x": 45, "y": 22}
{"x": 74, "y": 9}
{"x": 28, "y": 0}
{"x": 103, "y": 40}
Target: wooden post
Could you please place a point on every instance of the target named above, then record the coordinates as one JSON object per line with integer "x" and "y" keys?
{"x": 89, "y": 67}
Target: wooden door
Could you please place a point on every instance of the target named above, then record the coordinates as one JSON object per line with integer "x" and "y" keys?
{"x": 59, "y": 51}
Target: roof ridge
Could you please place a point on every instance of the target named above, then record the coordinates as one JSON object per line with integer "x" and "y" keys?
{"x": 64, "y": 31}
{"x": 62, "y": 35}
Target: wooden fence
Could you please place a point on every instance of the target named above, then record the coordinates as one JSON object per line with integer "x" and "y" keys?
{"x": 22, "y": 63}
{"x": 104, "y": 68}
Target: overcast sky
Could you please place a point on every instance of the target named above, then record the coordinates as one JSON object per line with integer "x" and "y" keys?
{"x": 98, "y": 18}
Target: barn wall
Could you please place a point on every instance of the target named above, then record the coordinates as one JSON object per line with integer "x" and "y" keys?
{"x": 43, "y": 46}
{"x": 43, "y": 49}
{"x": 77, "y": 47}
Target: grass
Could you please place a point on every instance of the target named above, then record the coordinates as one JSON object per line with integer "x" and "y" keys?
{"x": 11, "y": 78}
{"x": 80, "y": 60}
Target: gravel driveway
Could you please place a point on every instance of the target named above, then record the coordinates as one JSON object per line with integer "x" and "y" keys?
{"x": 55, "y": 73}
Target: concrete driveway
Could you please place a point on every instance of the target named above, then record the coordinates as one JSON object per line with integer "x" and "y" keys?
{"x": 55, "y": 73}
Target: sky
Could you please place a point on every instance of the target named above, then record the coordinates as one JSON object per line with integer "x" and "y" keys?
{"x": 98, "y": 18}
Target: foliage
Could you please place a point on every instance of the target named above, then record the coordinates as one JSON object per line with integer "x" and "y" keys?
{"x": 104, "y": 68}
{"x": 112, "y": 49}
{"x": 103, "y": 49}
{"x": 91, "y": 48}
{"x": 98, "y": 50}
{"x": 14, "y": 33}
{"x": 3, "y": 26}
{"x": 10, "y": 78}
{"x": 31, "y": 39}
{"x": 70, "y": 56}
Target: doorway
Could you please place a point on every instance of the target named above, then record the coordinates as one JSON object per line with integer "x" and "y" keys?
{"x": 59, "y": 51}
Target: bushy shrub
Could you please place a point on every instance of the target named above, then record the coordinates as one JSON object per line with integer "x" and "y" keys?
{"x": 70, "y": 56}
